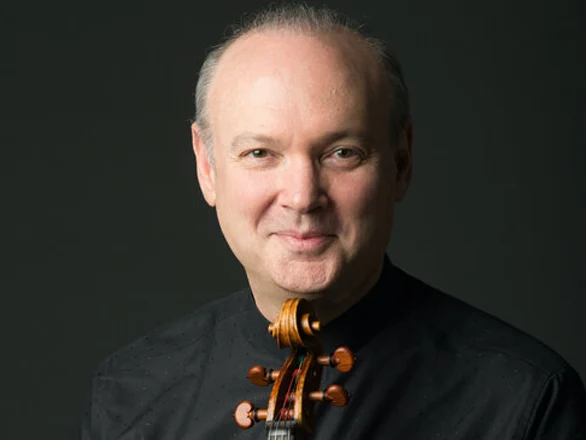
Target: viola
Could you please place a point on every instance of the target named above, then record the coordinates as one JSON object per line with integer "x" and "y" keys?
{"x": 290, "y": 411}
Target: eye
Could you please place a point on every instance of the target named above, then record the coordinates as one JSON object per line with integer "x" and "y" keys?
{"x": 345, "y": 153}
{"x": 344, "y": 157}
{"x": 258, "y": 158}
{"x": 258, "y": 153}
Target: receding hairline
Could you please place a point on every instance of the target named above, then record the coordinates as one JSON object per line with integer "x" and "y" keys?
{"x": 331, "y": 35}
{"x": 352, "y": 42}
{"x": 324, "y": 24}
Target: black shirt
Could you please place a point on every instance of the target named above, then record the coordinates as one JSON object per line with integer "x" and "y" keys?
{"x": 428, "y": 367}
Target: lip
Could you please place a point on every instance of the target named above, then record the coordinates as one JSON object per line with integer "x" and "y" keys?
{"x": 304, "y": 241}
{"x": 302, "y": 235}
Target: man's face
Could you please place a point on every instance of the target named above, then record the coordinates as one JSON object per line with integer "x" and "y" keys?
{"x": 305, "y": 175}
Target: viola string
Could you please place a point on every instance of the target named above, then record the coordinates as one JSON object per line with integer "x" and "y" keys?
{"x": 287, "y": 404}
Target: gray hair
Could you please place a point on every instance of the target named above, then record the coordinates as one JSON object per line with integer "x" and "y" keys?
{"x": 299, "y": 17}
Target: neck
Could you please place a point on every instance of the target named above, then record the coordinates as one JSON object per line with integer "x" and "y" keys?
{"x": 283, "y": 430}
{"x": 329, "y": 304}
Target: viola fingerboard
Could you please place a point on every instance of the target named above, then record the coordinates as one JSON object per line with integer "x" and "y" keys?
{"x": 283, "y": 430}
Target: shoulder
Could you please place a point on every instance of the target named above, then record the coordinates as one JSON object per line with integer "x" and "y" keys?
{"x": 478, "y": 333}
{"x": 190, "y": 330}
{"x": 170, "y": 357}
{"x": 516, "y": 375}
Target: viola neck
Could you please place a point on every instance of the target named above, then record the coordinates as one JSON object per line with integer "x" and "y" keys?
{"x": 283, "y": 430}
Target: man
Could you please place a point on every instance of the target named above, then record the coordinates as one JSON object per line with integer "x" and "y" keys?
{"x": 303, "y": 144}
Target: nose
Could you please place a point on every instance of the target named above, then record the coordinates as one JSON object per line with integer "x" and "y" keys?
{"x": 301, "y": 186}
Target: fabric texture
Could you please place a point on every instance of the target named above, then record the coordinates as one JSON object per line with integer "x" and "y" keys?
{"x": 428, "y": 367}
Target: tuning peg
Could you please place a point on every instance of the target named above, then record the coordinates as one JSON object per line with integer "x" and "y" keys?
{"x": 342, "y": 359}
{"x": 309, "y": 325}
{"x": 246, "y": 415}
{"x": 335, "y": 394}
{"x": 261, "y": 376}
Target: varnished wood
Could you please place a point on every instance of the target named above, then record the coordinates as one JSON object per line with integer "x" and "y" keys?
{"x": 261, "y": 376}
{"x": 290, "y": 412}
{"x": 335, "y": 394}
{"x": 246, "y": 415}
{"x": 342, "y": 359}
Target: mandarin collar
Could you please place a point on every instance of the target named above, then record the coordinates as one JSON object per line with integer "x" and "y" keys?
{"x": 354, "y": 328}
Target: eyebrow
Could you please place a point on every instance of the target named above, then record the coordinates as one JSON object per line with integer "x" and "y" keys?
{"x": 248, "y": 137}
{"x": 330, "y": 138}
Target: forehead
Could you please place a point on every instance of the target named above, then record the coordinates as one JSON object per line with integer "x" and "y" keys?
{"x": 275, "y": 74}
{"x": 289, "y": 50}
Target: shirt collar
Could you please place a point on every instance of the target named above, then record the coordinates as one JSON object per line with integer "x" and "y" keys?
{"x": 378, "y": 308}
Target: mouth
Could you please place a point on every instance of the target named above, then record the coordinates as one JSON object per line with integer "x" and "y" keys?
{"x": 310, "y": 241}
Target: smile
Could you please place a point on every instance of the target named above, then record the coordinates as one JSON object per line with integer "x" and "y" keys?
{"x": 304, "y": 242}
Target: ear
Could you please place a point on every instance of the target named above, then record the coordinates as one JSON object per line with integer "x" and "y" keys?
{"x": 205, "y": 171}
{"x": 404, "y": 162}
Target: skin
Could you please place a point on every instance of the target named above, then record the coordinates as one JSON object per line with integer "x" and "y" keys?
{"x": 305, "y": 177}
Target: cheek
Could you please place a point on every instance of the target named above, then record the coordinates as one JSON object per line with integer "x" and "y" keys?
{"x": 242, "y": 197}
{"x": 360, "y": 196}
{"x": 364, "y": 205}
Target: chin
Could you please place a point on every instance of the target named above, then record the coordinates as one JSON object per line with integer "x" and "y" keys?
{"x": 306, "y": 276}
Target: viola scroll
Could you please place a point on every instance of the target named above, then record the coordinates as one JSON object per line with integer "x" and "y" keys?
{"x": 290, "y": 410}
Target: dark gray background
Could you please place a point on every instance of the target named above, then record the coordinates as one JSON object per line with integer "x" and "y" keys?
{"x": 109, "y": 236}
